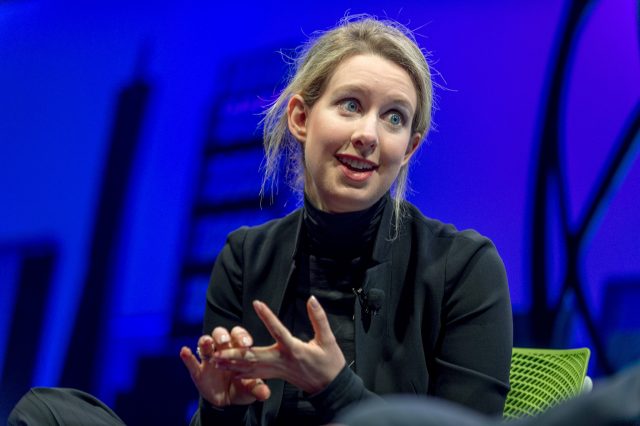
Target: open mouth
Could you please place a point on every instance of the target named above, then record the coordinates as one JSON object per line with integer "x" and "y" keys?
{"x": 356, "y": 164}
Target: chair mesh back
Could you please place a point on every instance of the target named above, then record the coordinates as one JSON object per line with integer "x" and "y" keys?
{"x": 541, "y": 378}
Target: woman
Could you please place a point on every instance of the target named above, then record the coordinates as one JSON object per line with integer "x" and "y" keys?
{"x": 411, "y": 305}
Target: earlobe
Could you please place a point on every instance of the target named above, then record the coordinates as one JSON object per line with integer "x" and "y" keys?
{"x": 297, "y": 117}
{"x": 414, "y": 143}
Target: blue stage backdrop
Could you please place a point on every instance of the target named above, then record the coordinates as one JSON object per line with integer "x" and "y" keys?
{"x": 129, "y": 148}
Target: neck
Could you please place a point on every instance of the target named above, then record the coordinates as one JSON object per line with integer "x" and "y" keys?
{"x": 343, "y": 235}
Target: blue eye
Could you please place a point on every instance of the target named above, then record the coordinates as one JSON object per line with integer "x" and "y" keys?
{"x": 395, "y": 119}
{"x": 350, "y": 105}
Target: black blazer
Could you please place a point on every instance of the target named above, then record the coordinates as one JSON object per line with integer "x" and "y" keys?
{"x": 444, "y": 327}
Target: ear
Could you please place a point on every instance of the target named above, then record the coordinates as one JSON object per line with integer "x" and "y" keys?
{"x": 297, "y": 118}
{"x": 414, "y": 143}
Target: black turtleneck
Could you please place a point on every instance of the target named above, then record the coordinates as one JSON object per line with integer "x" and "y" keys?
{"x": 341, "y": 235}
{"x": 334, "y": 254}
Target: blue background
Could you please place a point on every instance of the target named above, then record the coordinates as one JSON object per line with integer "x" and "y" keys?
{"x": 62, "y": 65}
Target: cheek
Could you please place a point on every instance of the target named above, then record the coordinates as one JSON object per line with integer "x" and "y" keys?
{"x": 395, "y": 152}
{"x": 321, "y": 145}
{"x": 327, "y": 128}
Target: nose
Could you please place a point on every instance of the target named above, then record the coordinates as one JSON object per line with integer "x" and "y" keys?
{"x": 365, "y": 135}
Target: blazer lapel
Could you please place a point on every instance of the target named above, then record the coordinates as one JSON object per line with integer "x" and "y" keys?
{"x": 272, "y": 293}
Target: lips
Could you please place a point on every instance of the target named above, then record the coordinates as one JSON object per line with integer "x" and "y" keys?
{"x": 355, "y": 169}
{"x": 356, "y": 164}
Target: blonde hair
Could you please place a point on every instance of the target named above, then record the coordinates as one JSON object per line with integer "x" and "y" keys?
{"x": 314, "y": 67}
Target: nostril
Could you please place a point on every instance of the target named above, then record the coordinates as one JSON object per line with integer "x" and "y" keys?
{"x": 368, "y": 141}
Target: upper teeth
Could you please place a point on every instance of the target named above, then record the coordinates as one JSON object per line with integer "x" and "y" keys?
{"x": 356, "y": 164}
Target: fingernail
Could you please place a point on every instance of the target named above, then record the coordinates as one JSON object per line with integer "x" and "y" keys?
{"x": 246, "y": 341}
{"x": 314, "y": 302}
{"x": 224, "y": 338}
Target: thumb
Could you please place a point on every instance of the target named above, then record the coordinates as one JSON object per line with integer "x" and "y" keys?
{"x": 258, "y": 388}
{"x": 320, "y": 323}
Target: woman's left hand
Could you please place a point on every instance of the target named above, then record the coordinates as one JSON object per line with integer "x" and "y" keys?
{"x": 310, "y": 366}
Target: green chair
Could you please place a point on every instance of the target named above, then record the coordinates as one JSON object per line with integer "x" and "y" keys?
{"x": 541, "y": 378}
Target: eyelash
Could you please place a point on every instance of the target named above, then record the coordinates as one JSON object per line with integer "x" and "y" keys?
{"x": 345, "y": 102}
{"x": 400, "y": 116}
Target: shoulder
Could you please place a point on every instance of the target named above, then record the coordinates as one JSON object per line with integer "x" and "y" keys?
{"x": 418, "y": 225}
{"x": 250, "y": 249}
{"x": 465, "y": 262}
{"x": 275, "y": 231}
{"x": 445, "y": 243}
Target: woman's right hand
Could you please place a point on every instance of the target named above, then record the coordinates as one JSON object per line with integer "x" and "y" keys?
{"x": 220, "y": 387}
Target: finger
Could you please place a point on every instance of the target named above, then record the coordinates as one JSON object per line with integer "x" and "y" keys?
{"x": 236, "y": 355}
{"x": 247, "y": 359}
{"x": 277, "y": 330}
{"x": 319, "y": 322}
{"x": 221, "y": 338}
{"x": 205, "y": 347}
{"x": 263, "y": 366}
{"x": 205, "y": 341}
{"x": 190, "y": 361}
{"x": 240, "y": 369}
{"x": 259, "y": 389}
{"x": 241, "y": 337}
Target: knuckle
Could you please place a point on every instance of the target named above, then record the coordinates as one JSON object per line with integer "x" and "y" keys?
{"x": 331, "y": 340}
{"x": 296, "y": 353}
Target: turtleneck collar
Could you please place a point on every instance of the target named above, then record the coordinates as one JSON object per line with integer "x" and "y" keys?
{"x": 342, "y": 235}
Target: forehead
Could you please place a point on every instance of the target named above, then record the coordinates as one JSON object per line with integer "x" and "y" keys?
{"x": 373, "y": 74}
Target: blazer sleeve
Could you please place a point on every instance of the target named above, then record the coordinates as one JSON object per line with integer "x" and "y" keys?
{"x": 345, "y": 390}
{"x": 474, "y": 354}
{"x": 224, "y": 308}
